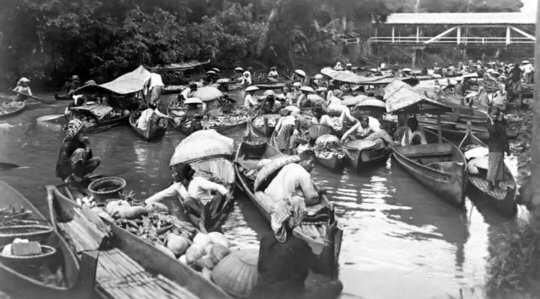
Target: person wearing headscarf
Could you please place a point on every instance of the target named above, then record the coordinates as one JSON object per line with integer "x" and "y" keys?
{"x": 193, "y": 192}
{"x": 75, "y": 159}
{"x": 497, "y": 146}
{"x": 22, "y": 89}
{"x": 273, "y": 74}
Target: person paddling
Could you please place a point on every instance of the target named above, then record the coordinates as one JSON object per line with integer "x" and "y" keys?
{"x": 22, "y": 89}
{"x": 497, "y": 145}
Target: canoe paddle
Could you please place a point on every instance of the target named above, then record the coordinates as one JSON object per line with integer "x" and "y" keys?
{"x": 7, "y": 166}
{"x": 37, "y": 99}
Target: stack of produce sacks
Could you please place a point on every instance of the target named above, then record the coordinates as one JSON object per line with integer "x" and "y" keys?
{"x": 206, "y": 251}
{"x": 477, "y": 158}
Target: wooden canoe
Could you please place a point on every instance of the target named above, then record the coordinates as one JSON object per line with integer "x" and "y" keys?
{"x": 20, "y": 285}
{"x": 503, "y": 199}
{"x": 156, "y": 128}
{"x": 10, "y": 109}
{"x": 247, "y": 157}
{"x": 365, "y": 157}
{"x": 440, "y": 167}
{"x": 62, "y": 97}
{"x": 158, "y": 274}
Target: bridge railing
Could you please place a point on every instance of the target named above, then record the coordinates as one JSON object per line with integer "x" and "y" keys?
{"x": 468, "y": 40}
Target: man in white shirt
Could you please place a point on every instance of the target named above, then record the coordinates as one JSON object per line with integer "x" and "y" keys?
{"x": 250, "y": 101}
{"x": 194, "y": 193}
{"x": 188, "y": 92}
{"x": 146, "y": 116}
{"x": 295, "y": 179}
{"x": 154, "y": 87}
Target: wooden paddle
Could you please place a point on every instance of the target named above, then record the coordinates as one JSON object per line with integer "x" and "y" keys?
{"x": 6, "y": 166}
{"x": 36, "y": 98}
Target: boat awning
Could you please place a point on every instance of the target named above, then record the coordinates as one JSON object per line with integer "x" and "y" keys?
{"x": 352, "y": 78}
{"x": 181, "y": 66}
{"x": 402, "y": 98}
{"x": 128, "y": 83}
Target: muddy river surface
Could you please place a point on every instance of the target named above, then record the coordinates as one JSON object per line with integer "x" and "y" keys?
{"x": 399, "y": 240}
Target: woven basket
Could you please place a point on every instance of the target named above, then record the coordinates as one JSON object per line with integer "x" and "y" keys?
{"x": 25, "y": 262}
{"x": 237, "y": 273}
{"x": 31, "y": 232}
{"x": 317, "y": 130}
{"x": 107, "y": 188}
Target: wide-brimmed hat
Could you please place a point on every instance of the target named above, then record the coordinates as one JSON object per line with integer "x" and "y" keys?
{"x": 215, "y": 69}
{"x": 238, "y": 69}
{"x": 318, "y": 76}
{"x": 300, "y": 72}
{"x": 193, "y": 101}
{"x": 525, "y": 62}
{"x": 90, "y": 82}
{"x": 75, "y": 77}
{"x": 269, "y": 92}
{"x": 211, "y": 72}
{"x": 307, "y": 89}
{"x": 348, "y": 64}
{"x": 252, "y": 88}
{"x": 406, "y": 70}
{"x": 297, "y": 84}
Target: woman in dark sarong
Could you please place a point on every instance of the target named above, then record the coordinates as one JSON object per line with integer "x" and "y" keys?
{"x": 497, "y": 145}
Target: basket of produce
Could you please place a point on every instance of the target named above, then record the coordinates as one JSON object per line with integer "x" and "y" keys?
{"x": 33, "y": 232}
{"x": 237, "y": 273}
{"x": 23, "y": 255}
{"x": 107, "y": 188}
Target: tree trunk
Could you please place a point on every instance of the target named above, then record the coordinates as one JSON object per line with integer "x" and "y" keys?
{"x": 535, "y": 150}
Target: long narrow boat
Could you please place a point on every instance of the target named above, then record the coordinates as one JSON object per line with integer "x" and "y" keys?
{"x": 130, "y": 267}
{"x": 365, "y": 153}
{"x": 502, "y": 199}
{"x": 12, "y": 108}
{"x": 247, "y": 158}
{"x": 155, "y": 130}
{"x": 22, "y": 285}
{"x": 62, "y": 97}
{"x": 440, "y": 167}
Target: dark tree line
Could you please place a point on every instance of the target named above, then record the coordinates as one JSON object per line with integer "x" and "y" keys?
{"x": 48, "y": 40}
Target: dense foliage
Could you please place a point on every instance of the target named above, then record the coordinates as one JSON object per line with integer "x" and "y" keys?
{"x": 48, "y": 40}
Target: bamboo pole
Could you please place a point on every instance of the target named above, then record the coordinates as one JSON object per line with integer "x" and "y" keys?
{"x": 535, "y": 151}
{"x": 439, "y": 127}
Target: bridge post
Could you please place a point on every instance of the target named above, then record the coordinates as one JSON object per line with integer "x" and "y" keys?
{"x": 508, "y": 36}
{"x": 417, "y": 34}
{"x": 393, "y": 34}
{"x": 458, "y": 35}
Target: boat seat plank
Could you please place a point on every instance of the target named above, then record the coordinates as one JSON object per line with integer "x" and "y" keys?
{"x": 425, "y": 150}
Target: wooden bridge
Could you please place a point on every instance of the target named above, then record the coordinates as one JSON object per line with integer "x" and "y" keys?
{"x": 457, "y": 28}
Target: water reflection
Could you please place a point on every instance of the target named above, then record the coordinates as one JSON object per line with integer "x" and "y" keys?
{"x": 400, "y": 240}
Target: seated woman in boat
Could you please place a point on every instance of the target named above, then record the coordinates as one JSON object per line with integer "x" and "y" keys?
{"x": 273, "y": 74}
{"x": 149, "y": 114}
{"x": 249, "y": 100}
{"x": 303, "y": 101}
{"x": 497, "y": 146}
{"x": 368, "y": 128}
{"x": 415, "y": 133}
{"x": 268, "y": 104}
{"x": 320, "y": 117}
{"x": 294, "y": 179}
{"x": 193, "y": 192}
{"x": 195, "y": 110}
{"x": 75, "y": 159}
{"x": 286, "y": 131}
{"x": 22, "y": 89}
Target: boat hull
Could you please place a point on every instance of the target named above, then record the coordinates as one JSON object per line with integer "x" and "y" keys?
{"x": 154, "y": 131}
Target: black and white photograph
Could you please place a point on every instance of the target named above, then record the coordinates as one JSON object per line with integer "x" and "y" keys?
{"x": 269, "y": 149}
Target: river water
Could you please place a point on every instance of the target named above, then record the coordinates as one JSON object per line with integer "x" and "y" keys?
{"x": 399, "y": 240}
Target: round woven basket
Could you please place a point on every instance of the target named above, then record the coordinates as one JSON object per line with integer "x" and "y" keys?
{"x": 32, "y": 232}
{"x": 25, "y": 262}
{"x": 237, "y": 273}
{"x": 107, "y": 188}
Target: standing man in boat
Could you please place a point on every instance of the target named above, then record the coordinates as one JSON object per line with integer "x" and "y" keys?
{"x": 22, "y": 89}
{"x": 154, "y": 88}
{"x": 193, "y": 192}
{"x": 75, "y": 159}
{"x": 515, "y": 79}
{"x": 497, "y": 145}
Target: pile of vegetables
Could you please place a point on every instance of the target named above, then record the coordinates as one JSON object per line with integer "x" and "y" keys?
{"x": 177, "y": 238}
{"x": 228, "y": 120}
{"x": 272, "y": 120}
{"x": 328, "y": 145}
